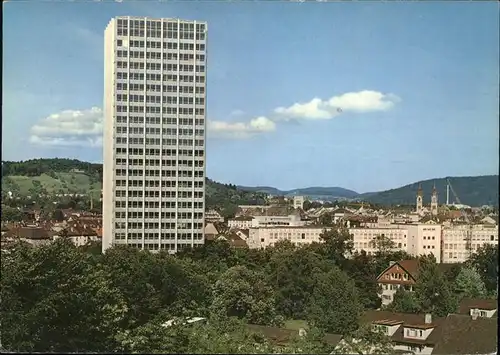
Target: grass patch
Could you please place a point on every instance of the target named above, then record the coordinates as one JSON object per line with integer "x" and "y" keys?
{"x": 295, "y": 324}
{"x": 62, "y": 183}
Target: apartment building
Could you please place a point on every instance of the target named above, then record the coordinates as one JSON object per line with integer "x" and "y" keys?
{"x": 154, "y": 133}
{"x": 424, "y": 239}
{"x": 455, "y": 248}
{"x": 363, "y": 237}
{"x": 299, "y": 235}
{"x": 447, "y": 244}
{"x": 240, "y": 222}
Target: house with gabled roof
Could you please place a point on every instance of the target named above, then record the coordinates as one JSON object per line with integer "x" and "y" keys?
{"x": 423, "y": 334}
{"x": 482, "y": 307}
{"x": 399, "y": 274}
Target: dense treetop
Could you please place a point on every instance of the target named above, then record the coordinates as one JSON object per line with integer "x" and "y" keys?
{"x": 62, "y": 298}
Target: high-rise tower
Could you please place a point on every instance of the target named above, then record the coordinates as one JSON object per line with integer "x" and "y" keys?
{"x": 154, "y": 133}
{"x": 420, "y": 199}
{"x": 434, "y": 201}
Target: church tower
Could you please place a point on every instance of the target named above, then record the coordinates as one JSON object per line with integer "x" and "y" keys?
{"x": 420, "y": 199}
{"x": 434, "y": 201}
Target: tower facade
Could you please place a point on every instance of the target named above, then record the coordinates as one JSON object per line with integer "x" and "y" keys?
{"x": 154, "y": 133}
{"x": 420, "y": 199}
{"x": 434, "y": 201}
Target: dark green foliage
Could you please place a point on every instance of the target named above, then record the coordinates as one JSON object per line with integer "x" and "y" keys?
{"x": 433, "y": 292}
{"x": 55, "y": 300}
{"x": 404, "y": 302}
{"x": 37, "y": 167}
{"x": 363, "y": 270}
{"x": 60, "y": 298}
{"x": 290, "y": 270}
{"x": 11, "y": 214}
{"x": 472, "y": 190}
{"x": 338, "y": 245}
{"x": 485, "y": 261}
{"x": 244, "y": 294}
{"x": 334, "y": 305}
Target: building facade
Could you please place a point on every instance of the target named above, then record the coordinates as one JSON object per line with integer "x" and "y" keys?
{"x": 154, "y": 133}
{"x": 455, "y": 248}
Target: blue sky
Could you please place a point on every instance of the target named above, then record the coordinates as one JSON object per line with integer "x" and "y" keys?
{"x": 404, "y": 90}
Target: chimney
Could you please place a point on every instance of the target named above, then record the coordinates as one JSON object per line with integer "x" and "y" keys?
{"x": 428, "y": 318}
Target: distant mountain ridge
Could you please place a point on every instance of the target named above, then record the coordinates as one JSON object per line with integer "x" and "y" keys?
{"x": 471, "y": 190}
{"x": 337, "y": 192}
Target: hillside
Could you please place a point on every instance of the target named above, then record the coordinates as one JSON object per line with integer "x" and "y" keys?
{"x": 67, "y": 176}
{"x": 472, "y": 191}
{"x": 73, "y": 176}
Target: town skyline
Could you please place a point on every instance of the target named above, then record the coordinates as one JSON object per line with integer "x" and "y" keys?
{"x": 279, "y": 134}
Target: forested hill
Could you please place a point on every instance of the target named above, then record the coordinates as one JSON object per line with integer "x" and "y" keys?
{"x": 74, "y": 176}
{"x": 59, "y": 176}
{"x": 471, "y": 190}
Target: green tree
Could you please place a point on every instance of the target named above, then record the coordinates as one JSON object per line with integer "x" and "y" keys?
{"x": 155, "y": 284}
{"x": 289, "y": 270}
{"x": 404, "y": 302}
{"x": 469, "y": 284}
{"x": 485, "y": 261}
{"x": 313, "y": 342}
{"x": 334, "y": 305}
{"x": 10, "y": 214}
{"x": 244, "y": 294}
{"x": 365, "y": 340}
{"x": 383, "y": 245}
{"x": 326, "y": 219}
{"x": 338, "y": 245}
{"x": 55, "y": 300}
{"x": 363, "y": 271}
{"x": 432, "y": 290}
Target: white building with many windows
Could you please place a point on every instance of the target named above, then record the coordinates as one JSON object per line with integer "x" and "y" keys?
{"x": 154, "y": 133}
{"x": 455, "y": 238}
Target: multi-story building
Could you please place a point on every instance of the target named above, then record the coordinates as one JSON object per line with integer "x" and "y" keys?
{"x": 298, "y": 202}
{"x": 455, "y": 246}
{"x": 424, "y": 239}
{"x": 241, "y": 222}
{"x": 363, "y": 237}
{"x": 267, "y": 236}
{"x": 154, "y": 133}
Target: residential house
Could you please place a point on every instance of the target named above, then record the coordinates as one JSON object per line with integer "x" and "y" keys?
{"x": 233, "y": 238}
{"x": 242, "y": 222}
{"x": 465, "y": 334}
{"x": 399, "y": 274}
{"x": 213, "y": 216}
{"x": 487, "y": 308}
{"x": 35, "y": 236}
{"x": 423, "y": 334}
{"x": 211, "y": 230}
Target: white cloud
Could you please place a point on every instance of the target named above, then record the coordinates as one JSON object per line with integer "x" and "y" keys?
{"x": 317, "y": 109}
{"x": 240, "y": 130}
{"x": 84, "y": 127}
{"x": 69, "y": 128}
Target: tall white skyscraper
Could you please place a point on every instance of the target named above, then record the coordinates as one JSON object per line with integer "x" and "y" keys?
{"x": 154, "y": 133}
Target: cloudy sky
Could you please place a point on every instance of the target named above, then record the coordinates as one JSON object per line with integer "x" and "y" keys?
{"x": 361, "y": 95}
